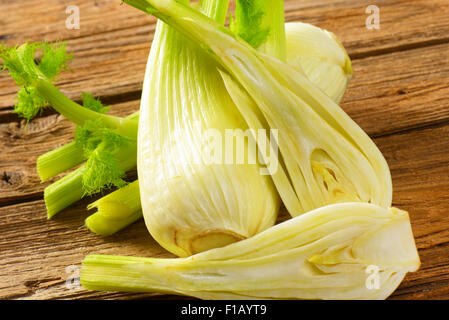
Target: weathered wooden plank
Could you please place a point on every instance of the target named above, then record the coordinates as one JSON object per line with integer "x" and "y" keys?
{"x": 37, "y": 259}
{"x": 419, "y": 164}
{"x": 25, "y": 20}
{"x": 400, "y": 91}
{"x": 403, "y": 23}
{"x": 390, "y": 93}
{"x": 113, "y": 38}
{"x": 36, "y": 251}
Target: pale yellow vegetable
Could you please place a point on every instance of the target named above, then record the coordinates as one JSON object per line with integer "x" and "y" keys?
{"x": 190, "y": 205}
{"x": 341, "y": 251}
{"x": 320, "y": 56}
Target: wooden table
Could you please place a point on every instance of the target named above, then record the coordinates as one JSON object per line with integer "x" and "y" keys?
{"x": 399, "y": 95}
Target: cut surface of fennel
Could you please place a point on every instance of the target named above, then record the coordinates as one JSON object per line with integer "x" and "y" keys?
{"x": 322, "y": 254}
{"x": 190, "y": 206}
{"x": 327, "y": 158}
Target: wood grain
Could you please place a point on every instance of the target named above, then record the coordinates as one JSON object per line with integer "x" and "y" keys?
{"x": 399, "y": 95}
{"x": 419, "y": 165}
{"x": 113, "y": 38}
{"x": 400, "y": 91}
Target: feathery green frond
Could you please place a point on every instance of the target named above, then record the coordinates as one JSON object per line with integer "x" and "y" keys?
{"x": 261, "y": 24}
{"x": 91, "y": 103}
{"x": 99, "y": 144}
{"x": 250, "y": 25}
{"x": 102, "y": 172}
{"x": 54, "y": 59}
{"x": 20, "y": 61}
{"x": 22, "y": 67}
{"x": 29, "y": 103}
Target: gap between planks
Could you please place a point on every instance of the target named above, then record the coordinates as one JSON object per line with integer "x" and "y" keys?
{"x": 400, "y": 48}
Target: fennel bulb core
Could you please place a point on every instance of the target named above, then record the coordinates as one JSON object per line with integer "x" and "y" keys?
{"x": 319, "y": 55}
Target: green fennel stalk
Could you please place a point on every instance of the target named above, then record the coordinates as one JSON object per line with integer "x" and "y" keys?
{"x": 273, "y": 41}
{"x": 261, "y": 24}
{"x": 116, "y": 210}
{"x": 61, "y": 159}
{"x": 99, "y": 137}
{"x": 69, "y": 189}
{"x": 37, "y": 89}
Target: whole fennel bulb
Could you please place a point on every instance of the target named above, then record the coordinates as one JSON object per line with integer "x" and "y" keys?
{"x": 189, "y": 205}
{"x": 320, "y": 56}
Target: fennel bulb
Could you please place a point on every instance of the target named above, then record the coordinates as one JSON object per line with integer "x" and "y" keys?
{"x": 188, "y": 205}
{"x": 320, "y": 56}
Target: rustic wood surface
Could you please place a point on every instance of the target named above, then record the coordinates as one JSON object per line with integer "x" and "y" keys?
{"x": 399, "y": 95}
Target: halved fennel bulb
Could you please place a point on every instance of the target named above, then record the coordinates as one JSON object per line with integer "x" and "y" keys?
{"x": 341, "y": 251}
{"x": 320, "y": 56}
{"x": 326, "y": 157}
{"x": 191, "y": 205}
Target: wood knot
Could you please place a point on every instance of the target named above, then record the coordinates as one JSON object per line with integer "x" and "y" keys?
{"x": 9, "y": 178}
